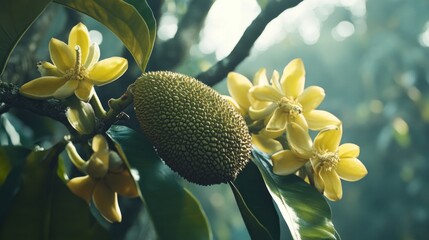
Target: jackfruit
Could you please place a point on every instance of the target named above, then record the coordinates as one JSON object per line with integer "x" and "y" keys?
{"x": 194, "y": 130}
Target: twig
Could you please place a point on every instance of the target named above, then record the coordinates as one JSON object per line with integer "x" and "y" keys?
{"x": 55, "y": 109}
{"x": 219, "y": 71}
{"x": 9, "y": 95}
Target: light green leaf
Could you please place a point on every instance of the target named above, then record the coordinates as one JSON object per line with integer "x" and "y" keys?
{"x": 123, "y": 20}
{"x": 15, "y": 18}
{"x": 255, "y": 204}
{"x": 44, "y": 208}
{"x": 175, "y": 213}
{"x": 304, "y": 209}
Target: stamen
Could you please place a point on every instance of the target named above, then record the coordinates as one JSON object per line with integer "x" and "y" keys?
{"x": 289, "y": 106}
{"x": 326, "y": 160}
{"x": 78, "y": 62}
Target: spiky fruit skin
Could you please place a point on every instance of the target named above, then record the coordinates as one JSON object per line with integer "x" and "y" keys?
{"x": 195, "y": 131}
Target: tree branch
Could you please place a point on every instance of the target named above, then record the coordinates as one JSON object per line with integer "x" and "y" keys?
{"x": 219, "y": 71}
{"x": 56, "y": 109}
{"x": 9, "y": 95}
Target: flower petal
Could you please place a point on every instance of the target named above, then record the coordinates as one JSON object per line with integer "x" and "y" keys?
{"x": 286, "y": 162}
{"x": 48, "y": 69}
{"x": 265, "y": 93}
{"x": 122, "y": 183}
{"x": 66, "y": 90}
{"x": 81, "y": 116}
{"x": 319, "y": 119}
{"x": 311, "y": 98}
{"x": 351, "y": 169}
{"x": 301, "y": 121}
{"x": 258, "y": 114}
{"x": 84, "y": 91}
{"x": 42, "y": 87}
{"x": 93, "y": 56}
{"x": 328, "y": 139}
{"x": 235, "y": 105}
{"x": 107, "y": 70}
{"x": 260, "y": 78}
{"x": 98, "y": 165}
{"x": 275, "y": 82}
{"x": 106, "y": 201}
{"x": 82, "y": 187}
{"x": 299, "y": 140}
{"x": 62, "y": 55}
{"x": 333, "y": 189}
{"x": 238, "y": 87}
{"x": 99, "y": 143}
{"x": 348, "y": 150}
{"x": 278, "y": 121}
{"x": 318, "y": 181}
{"x": 270, "y": 134}
{"x": 293, "y": 78}
{"x": 79, "y": 36}
{"x": 267, "y": 145}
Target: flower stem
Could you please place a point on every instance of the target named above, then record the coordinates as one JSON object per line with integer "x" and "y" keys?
{"x": 97, "y": 106}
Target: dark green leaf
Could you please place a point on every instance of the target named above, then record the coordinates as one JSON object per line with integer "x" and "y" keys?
{"x": 304, "y": 209}
{"x": 255, "y": 228}
{"x": 123, "y": 20}
{"x": 12, "y": 159}
{"x": 44, "y": 208}
{"x": 175, "y": 213}
{"x": 256, "y": 205}
{"x": 15, "y": 18}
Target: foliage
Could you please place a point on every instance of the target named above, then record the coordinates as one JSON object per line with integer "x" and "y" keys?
{"x": 268, "y": 202}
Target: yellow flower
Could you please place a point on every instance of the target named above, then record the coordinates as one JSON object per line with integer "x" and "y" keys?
{"x": 287, "y": 101}
{"x": 102, "y": 184}
{"x": 329, "y": 161}
{"x": 239, "y": 86}
{"x": 265, "y": 143}
{"x": 75, "y": 69}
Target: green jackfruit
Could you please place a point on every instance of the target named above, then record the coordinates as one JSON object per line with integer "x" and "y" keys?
{"x": 195, "y": 131}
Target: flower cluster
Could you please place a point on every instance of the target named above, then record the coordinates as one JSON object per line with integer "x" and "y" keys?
{"x": 106, "y": 177}
{"x": 71, "y": 76}
{"x": 282, "y": 106}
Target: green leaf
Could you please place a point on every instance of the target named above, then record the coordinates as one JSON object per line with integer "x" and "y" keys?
{"x": 147, "y": 14}
{"x": 304, "y": 209}
{"x": 44, "y": 208}
{"x": 12, "y": 159}
{"x": 255, "y": 228}
{"x": 15, "y": 18}
{"x": 255, "y": 204}
{"x": 123, "y": 20}
{"x": 175, "y": 213}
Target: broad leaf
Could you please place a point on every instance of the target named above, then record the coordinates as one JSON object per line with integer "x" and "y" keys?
{"x": 12, "y": 159}
{"x": 145, "y": 11}
{"x": 123, "y": 20}
{"x": 255, "y": 204}
{"x": 175, "y": 213}
{"x": 304, "y": 209}
{"x": 15, "y": 18}
{"x": 44, "y": 208}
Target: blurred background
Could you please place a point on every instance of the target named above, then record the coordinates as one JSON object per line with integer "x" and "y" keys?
{"x": 371, "y": 57}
